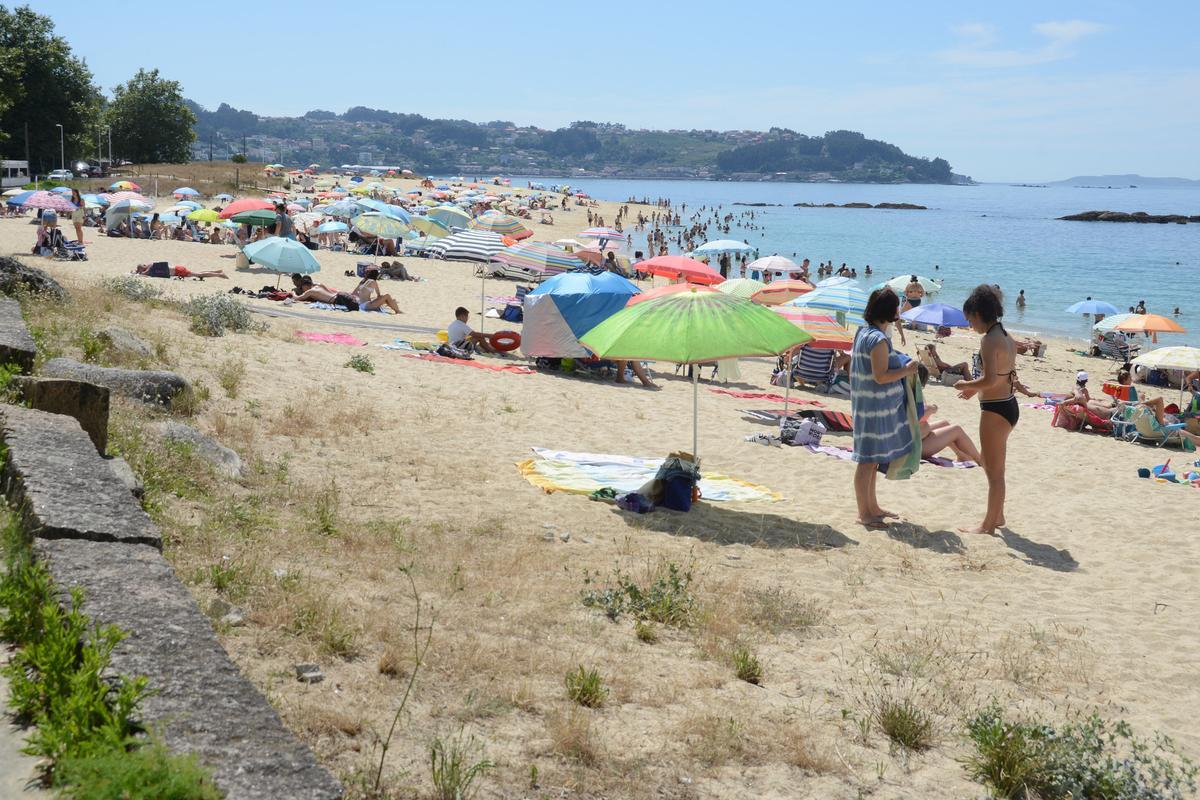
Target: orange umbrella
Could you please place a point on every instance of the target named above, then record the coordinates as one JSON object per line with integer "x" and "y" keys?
{"x": 1152, "y": 324}
{"x": 824, "y": 328}
{"x": 689, "y": 269}
{"x": 776, "y": 293}
{"x": 670, "y": 288}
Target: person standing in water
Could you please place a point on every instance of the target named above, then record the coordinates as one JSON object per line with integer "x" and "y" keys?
{"x": 997, "y": 397}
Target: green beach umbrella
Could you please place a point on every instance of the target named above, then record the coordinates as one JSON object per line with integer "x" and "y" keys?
{"x": 204, "y": 215}
{"x": 693, "y": 328}
{"x": 740, "y": 287}
{"x": 257, "y": 217}
{"x": 430, "y": 227}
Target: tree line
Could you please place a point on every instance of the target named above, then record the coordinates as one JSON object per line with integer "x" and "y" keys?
{"x": 43, "y": 84}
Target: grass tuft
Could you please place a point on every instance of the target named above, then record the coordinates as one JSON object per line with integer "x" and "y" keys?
{"x": 746, "y": 665}
{"x": 586, "y": 687}
{"x": 454, "y": 769}
{"x": 905, "y": 723}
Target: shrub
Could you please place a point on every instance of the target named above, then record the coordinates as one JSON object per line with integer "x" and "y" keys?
{"x": 451, "y": 769}
{"x": 151, "y": 772}
{"x": 905, "y": 723}
{"x": 133, "y": 287}
{"x": 746, "y": 665}
{"x": 230, "y": 374}
{"x": 1094, "y": 758}
{"x": 238, "y": 158}
{"x": 213, "y": 314}
{"x": 361, "y": 363}
{"x": 586, "y": 687}
{"x": 9, "y": 393}
{"x": 666, "y": 598}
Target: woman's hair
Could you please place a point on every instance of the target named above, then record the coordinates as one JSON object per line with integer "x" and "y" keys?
{"x": 923, "y": 374}
{"x": 371, "y": 273}
{"x": 882, "y": 306}
{"x": 985, "y": 302}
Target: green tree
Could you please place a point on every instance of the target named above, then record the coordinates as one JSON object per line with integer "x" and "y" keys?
{"x": 150, "y": 120}
{"x": 43, "y": 84}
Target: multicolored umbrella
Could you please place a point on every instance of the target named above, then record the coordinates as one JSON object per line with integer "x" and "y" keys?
{"x": 603, "y": 234}
{"x": 538, "y": 257}
{"x": 246, "y": 204}
{"x": 379, "y": 225}
{"x": 129, "y": 186}
{"x": 826, "y": 331}
{"x": 503, "y": 224}
{"x": 55, "y": 202}
{"x": 741, "y": 287}
{"x": 845, "y": 301}
{"x": 282, "y": 255}
{"x": 689, "y": 269}
{"x": 343, "y": 209}
{"x": 431, "y": 227}
{"x": 670, "y": 288}
{"x": 776, "y": 293}
{"x": 693, "y": 328}
{"x": 129, "y": 205}
{"x": 841, "y": 280}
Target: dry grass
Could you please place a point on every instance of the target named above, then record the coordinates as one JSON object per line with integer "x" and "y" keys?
{"x": 571, "y": 736}
{"x": 207, "y": 177}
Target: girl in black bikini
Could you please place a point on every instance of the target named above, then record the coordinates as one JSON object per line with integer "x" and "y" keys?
{"x": 997, "y": 399}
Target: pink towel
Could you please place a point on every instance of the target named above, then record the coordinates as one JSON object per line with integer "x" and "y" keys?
{"x": 516, "y": 369}
{"x": 778, "y": 398}
{"x": 334, "y": 338}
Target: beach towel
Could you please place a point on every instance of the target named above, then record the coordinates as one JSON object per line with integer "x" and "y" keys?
{"x": 584, "y": 473}
{"x": 1041, "y": 406}
{"x": 513, "y": 368}
{"x": 778, "y": 398}
{"x": 399, "y": 344}
{"x": 845, "y": 454}
{"x": 836, "y": 421}
{"x": 332, "y": 338}
{"x": 904, "y": 467}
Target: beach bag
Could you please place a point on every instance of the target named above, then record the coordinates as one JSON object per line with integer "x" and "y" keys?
{"x": 513, "y": 314}
{"x": 677, "y": 478}
{"x": 447, "y": 350}
{"x": 159, "y": 269}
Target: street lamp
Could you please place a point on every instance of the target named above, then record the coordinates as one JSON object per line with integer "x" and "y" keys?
{"x": 62, "y": 145}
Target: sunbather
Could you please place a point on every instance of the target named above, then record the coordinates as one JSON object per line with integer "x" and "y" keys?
{"x": 184, "y": 272}
{"x": 962, "y": 367}
{"x": 396, "y": 271}
{"x": 368, "y": 295}
{"x": 937, "y": 436}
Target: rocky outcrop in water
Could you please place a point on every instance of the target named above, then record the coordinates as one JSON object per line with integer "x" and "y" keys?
{"x": 1124, "y": 216}
{"x": 894, "y": 206}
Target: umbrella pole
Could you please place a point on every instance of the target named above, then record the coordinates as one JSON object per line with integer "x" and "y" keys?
{"x": 787, "y": 386}
{"x": 482, "y": 292}
{"x": 696, "y": 415}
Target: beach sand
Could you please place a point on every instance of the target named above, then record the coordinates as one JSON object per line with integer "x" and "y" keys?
{"x": 1086, "y": 602}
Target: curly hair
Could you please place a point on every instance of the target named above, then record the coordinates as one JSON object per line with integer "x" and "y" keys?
{"x": 985, "y": 302}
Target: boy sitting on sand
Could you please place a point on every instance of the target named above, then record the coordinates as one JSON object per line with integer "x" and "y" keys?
{"x": 459, "y": 333}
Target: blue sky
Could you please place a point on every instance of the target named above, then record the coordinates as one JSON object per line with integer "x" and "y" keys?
{"x": 1004, "y": 91}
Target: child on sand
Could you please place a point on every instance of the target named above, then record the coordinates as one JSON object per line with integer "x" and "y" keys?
{"x": 997, "y": 397}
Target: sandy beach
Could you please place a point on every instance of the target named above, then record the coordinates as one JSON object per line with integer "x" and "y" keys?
{"x": 1087, "y": 602}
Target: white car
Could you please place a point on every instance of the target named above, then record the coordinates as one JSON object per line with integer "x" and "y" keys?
{"x": 61, "y": 175}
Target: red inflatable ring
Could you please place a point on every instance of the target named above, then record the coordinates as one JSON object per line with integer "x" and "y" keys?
{"x": 505, "y": 341}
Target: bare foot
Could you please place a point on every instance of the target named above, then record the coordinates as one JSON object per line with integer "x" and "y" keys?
{"x": 884, "y": 513}
{"x": 620, "y": 380}
{"x": 873, "y": 523}
{"x": 654, "y": 387}
{"x": 979, "y": 529}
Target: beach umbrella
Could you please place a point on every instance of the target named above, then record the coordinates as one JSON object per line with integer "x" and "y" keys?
{"x": 1093, "y": 307}
{"x": 503, "y": 224}
{"x": 469, "y": 246}
{"x": 722, "y": 246}
{"x": 113, "y": 197}
{"x": 670, "y": 288}
{"x": 826, "y": 331}
{"x": 938, "y": 314}
{"x": 777, "y": 293}
{"x": 259, "y": 217}
{"x": 223, "y": 197}
{"x": 306, "y": 219}
{"x": 246, "y": 204}
{"x": 282, "y": 255}
{"x": 847, "y": 302}
{"x": 538, "y": 257}
{"x": 18, "y": 197}
{"x": 602, "y": 233}
{"x": 204, "y": 215}
{"x": 573, "y": 244}
{"x": 129, "y": 205}
{"x": 1184, "y": 358}
{"x": 1110, "y": 322}
{"x": 61, "y": 190}
{"x": 189, "y": 204}
{"x": 185, "y": 191}
{"x": 344, "y": 209}
{"x": 293, "y": 208}
{"x": 593, "y": 255}
{"x": 773, "y": 264}
{"x": 837, "y": 280}
{"x": 333, "y": 227}
{"x": 689, "y": 269}
{"x": 170, "y": 219}
{"x": 693, "y": 328}
{"x": 128, "y": 186}
{"x": 430, "y": 227}
{"x": 898, "y": 283}
{"x": 741, "y": 287}
{"x": 1153, "y": 324}
{"x": 386, "y": 209}
{"x": 49, "y": 200}
{"x": 15, "y": 191}
{"x": 380, "y": 226}
{"x": 450, "y": 216}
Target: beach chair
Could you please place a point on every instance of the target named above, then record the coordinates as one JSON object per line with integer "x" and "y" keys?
{"x": 1149, "y": 429}
{"x": 71, "y": 250}
{"x": 1117, "y": 346}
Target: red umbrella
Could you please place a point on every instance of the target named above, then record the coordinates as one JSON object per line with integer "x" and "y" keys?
{"x": 670, "y": 288}
{"x": 689, "y": 269}
{"x": 824, "y": 328}
{"x": 246, "y": 204}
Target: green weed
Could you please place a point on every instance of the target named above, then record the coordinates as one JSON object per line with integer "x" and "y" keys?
{"x": 904, "y": 723}
{"x": 361, "y": 363}
{"x": 453, "y": 768}
{"x": 746, "y": 665}
{"x": 665, "y": 598}
{"x": 229, "y": 375}
{"x": 586, "y": 687}
{"x": 149, "y": 772}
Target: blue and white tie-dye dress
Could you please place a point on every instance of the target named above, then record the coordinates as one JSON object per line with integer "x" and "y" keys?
{"x": 881, "y": 431}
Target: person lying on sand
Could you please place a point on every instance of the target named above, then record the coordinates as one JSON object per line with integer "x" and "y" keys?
{"x": 184, "y": 272}
{"x": 396, "y": 271}
{"x": 937, "y": 436}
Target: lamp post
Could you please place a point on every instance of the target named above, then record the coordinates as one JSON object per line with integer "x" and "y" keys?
{"x": 62, "y": 146}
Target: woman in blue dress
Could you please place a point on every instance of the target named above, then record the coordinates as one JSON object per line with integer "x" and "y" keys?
{"x": 881, "y": 431}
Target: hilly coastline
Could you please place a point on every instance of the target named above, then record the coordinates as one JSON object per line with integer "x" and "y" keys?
{"x": 1126, "y": 181}
{"x": 374, "y": 136}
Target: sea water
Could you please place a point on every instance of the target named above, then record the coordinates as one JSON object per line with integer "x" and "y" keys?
{"x": 994, "y": 233}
